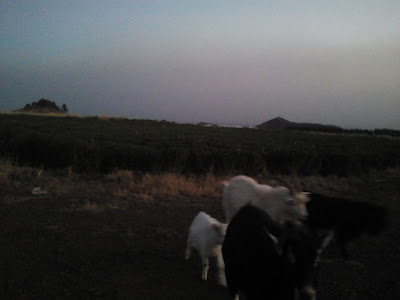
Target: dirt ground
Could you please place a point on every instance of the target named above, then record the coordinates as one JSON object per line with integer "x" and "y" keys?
{"x": 49, "y": 250}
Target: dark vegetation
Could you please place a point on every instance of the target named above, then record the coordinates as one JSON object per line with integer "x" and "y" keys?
{"x": 280, "y": 123}
{"x": 93, "y": 145}
{"x": 334, "y": 129}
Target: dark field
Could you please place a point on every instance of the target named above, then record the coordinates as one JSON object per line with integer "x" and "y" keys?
{"x": 99, "y": 236}
{"x": 101, "y": 145}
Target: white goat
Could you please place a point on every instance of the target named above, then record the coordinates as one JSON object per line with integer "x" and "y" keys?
{"x": 277, "y": 201}
{"x": 206, "y": 235}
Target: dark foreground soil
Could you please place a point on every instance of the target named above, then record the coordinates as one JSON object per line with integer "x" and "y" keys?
{"x": 48, "y": 250}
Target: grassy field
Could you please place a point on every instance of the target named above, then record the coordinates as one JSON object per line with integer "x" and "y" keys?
{"x": 105, "y": 144}
{"x": 118, "y": 197}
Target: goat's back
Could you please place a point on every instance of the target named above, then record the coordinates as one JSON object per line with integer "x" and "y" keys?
{"x": 236, "y": 193}
{"x": 242, "y": 190}
{"x": 345, "y": 215}
{"x": 205, "y": 233}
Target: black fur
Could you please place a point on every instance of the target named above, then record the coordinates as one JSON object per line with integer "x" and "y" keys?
{"x": 348, "y": 219}
{"x": 255, "y": 266}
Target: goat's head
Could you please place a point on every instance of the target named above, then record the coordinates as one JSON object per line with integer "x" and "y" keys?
{"x": 220, "y": 230}
{"x": 296, "y": 206}
{"x": 296, "y": 201}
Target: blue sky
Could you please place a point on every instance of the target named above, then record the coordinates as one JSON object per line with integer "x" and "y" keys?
{"x": 225, "y": 62}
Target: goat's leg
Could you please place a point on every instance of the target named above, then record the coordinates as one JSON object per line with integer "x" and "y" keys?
{"x": 327, "y": 239}
{"x": 205, "y": 268}
{"x": 231, "y": 282}
{"x": 325, "y": 242}
{"x": 188, "y": 249}
{"x": 221, "y": 270}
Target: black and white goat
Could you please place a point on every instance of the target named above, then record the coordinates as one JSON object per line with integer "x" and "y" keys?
{"x": 344, "y": 220}
{"x": 267, "y": 260}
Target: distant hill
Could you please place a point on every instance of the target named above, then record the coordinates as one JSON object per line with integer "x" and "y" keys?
{"x": 281, "y": 123}
{"x": 43, "y": 106}
{"x": 277, "y": 123}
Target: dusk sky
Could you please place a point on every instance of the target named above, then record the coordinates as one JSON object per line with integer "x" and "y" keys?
{"x": 224, "y": 62}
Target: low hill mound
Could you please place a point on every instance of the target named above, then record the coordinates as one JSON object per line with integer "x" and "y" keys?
{"x": 276, "y": 123}
{"x": 280, "y": 123}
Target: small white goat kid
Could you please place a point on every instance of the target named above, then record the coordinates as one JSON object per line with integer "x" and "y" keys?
{"x": 277, "y": 201}
{"x": 206, "y": 235}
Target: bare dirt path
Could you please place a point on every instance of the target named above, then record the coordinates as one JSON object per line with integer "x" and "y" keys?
{"x": 50, "y": 251}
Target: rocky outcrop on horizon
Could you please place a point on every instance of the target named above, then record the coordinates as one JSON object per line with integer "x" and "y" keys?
{"x": 44, "y": 106}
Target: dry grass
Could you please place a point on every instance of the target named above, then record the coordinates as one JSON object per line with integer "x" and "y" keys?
{"x": 10, "y": 171}
{"x": 62, "y": 114}
{"x": 106, "y": 117}
{"x": 92, "y": 207}
{"x": 175, "y": 185}
{"x": 123, "y": 188}
{"x": 165, "y": 185}
{"x": 21, "y": 180}
{"x": 36, "y": 113}
{"x": 116, "y": 190}
{"x": 6, "y": 167}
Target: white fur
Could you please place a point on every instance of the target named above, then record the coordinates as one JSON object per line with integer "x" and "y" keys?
{"x": 206, "y": 235}
{"x": 277, "y": 201}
